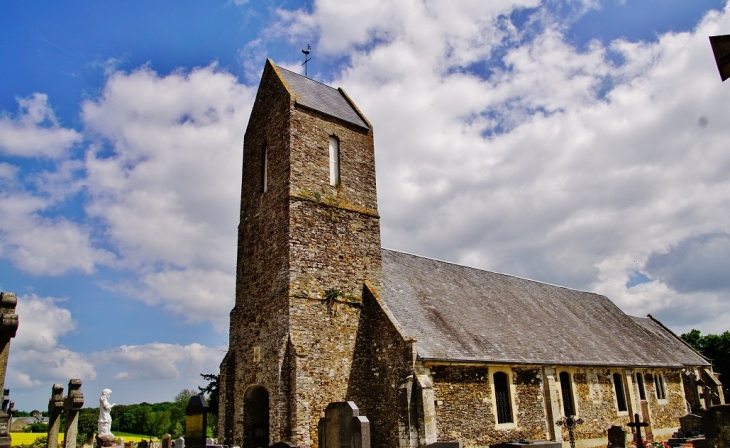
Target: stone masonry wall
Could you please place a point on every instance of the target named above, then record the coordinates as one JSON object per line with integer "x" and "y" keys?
{"x": 382, "y": 359}
{"x": 260, "y": 316}
{"x": 464, "y": 408}
{"x": 334, "y": 244}
{"x": 666, "y": 413}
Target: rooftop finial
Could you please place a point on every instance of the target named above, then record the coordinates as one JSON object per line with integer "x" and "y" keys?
{"x": 306, "y": 59}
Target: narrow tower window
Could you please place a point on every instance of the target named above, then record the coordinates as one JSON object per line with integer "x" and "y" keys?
{"x": 264, "y": 169}
{"x": 567, "y": 390}
{"x": 334, "y": 161}
{"x": 620, "y": 396}
{"x": 501, "y": 395}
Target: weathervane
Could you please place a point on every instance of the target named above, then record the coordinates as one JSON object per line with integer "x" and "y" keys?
{"x": 306, "y": 59}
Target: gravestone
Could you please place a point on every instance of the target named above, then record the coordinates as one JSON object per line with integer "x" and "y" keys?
{"x": 616, "y": 437}
{"x": 343, "y": 426}
{"x": 166, "y": 441}
{"x": 196, "y": 422}
{"x": 6, "y": 416}
{"x": 129, "y": 444}
{"x": 8, "y": 328}
{"x": 180, "y": 442}
{"x": 142, "y": 444}
{"x": 71, "y": 407}
{"x": 446, "y": 444}
{"x": 55, "y": 409}
{"x": 716, "y": 421}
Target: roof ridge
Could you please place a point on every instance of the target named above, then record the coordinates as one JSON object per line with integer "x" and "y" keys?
{"x": 654, "y": 319}
{"x": 307, "y": 77}
{"x": 498, "y": 273}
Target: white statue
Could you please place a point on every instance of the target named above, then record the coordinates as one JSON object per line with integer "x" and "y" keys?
{"x": 105, "y": 416}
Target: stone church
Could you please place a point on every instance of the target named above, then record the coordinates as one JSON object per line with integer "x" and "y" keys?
{"x": 428, "y": 350}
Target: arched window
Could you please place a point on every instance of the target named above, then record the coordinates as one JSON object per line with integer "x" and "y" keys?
{"x": 640, "y": 385}
{"x": 567, "y": 390}
{"x": 264, "y": 169}
{"x": 618, "y": 385}
{"x": 661, "y": 391}
{"x": 502, "y": 398}
{"x": 334, "y": 161}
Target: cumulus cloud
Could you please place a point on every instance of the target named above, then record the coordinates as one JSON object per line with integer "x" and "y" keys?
{"x": 38, "y": 357}
{"x": 35, "y": 131}
{"x": 44, "y": 245}
{"x": 564, "y": 164}
{"x": 164, "y": 175}
{"x": 160, "y": 361}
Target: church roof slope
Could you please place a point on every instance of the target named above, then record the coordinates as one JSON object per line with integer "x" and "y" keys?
{"x": 671, "y": 342}
{"x": 462, "y": 314}
{"x": 322, "y": 98}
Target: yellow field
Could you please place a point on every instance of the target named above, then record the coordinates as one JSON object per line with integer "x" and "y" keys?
{"x": 26, "y": 438}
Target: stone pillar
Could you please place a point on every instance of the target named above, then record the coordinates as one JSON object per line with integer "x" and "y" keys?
{"x": 71, "y": 406}
{"x": 55, "y": 409}
{"x": 8, "y": 327}
{"x": 553, "y": 411}
{"x": 6, "y": 417}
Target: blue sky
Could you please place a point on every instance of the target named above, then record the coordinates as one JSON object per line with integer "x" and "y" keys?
{"x": 581, "y": 143}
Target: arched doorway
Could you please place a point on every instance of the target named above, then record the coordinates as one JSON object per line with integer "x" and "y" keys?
{"x": 256, "y": 417}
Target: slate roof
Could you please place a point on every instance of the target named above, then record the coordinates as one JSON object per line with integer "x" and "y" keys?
{"x": 322, "y": 98}
{"x": 462, "y": 314}
{"x": 671, "y": 342}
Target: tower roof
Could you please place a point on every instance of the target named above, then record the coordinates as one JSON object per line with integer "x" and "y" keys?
{"x": 322, "y": 98}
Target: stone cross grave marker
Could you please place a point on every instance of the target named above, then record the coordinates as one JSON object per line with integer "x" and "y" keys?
{"x": 55, "y": 409}
{"x": 6, "y": 416}
{"x": 71, "y": 407}
{"x": 638, "y": 425}
{"x": 8, "y": 328}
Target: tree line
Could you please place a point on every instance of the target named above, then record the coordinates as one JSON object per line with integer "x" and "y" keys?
{"x": 716, "y": 348}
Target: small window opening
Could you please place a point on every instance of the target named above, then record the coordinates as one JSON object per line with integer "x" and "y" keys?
{"x": 567, "y": 390}
{"x": 661, "y": 392}
{"x": 618, "y": 385}
{"x": 501, "y": 395}
{"x": 640, "y": 385}
{"x": 264, "y": 169}
{"x": 334, "y": 161}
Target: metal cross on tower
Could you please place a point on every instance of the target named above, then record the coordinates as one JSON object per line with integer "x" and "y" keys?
{"x": 306, "y": 59}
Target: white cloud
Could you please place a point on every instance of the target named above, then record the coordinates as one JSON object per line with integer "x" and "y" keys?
{"x": 43, "y": 245}
{"x": 164, "y": 176}
{"x": 561, "y": 165}
{"x": 158, "y": 361}
{"x": 37, "y": 356}
{"x": 35, "y": 132}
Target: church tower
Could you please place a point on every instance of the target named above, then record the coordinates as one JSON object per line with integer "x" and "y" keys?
{"x": 308, "y": 240}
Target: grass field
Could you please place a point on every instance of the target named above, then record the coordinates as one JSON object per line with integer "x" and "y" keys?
{"x": 26, "y": 438}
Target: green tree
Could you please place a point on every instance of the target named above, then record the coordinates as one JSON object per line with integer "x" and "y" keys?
{"x": 211, "y": 391}
{"x": 36, "y": 427}
{"x": 87, "y": 426}
{"x": 716, "y": 348}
